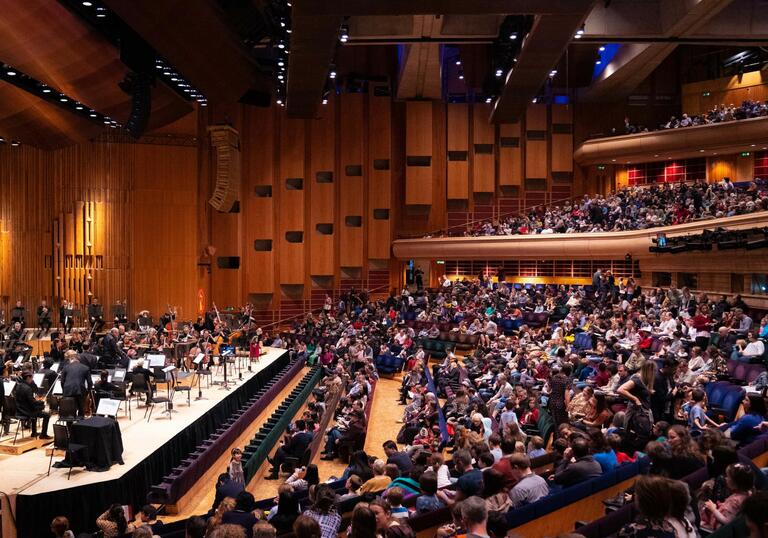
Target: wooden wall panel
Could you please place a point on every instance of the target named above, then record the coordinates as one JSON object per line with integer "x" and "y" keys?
{"x": 322, "y": 202}
{"x": 418, "y": 143}
{"x": 258, "y": 143}
{"x": 536, "y": 118}
{"x": 510, "y": 156}
{"x": 536, "y": 159}
{"x": 458, "y": 142}
{"x": 290, "y": 200}
{"x": 720, "y": 167}
{"x": 699, "y": 97}
{"x": 483, "y": 150}
{"x": 351, "y": 187}
{"x": 562, "y": 141}
{"x": 380, "y": 176}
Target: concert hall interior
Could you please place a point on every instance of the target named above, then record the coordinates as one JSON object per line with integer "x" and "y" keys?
{"x": 383, "y": 269}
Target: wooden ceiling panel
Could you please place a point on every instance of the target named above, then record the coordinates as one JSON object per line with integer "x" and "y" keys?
{"x": 36, "y": 122}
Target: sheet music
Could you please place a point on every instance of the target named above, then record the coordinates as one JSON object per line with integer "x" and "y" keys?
{"x": 119, "y": 375}
{"x": 19, "y": 360}
{"x": 199, "y": 358}
{"x": 55, "y": 367}
{"x": 38, "y": 379}
{"x": 8, "y": 386}
{"x": 168, "y": 369}
{"x": 156, "y": 361}
{"x": 57, "y": 387}
{"x": 108, "y": 407}
{"x": 132, "y": 363}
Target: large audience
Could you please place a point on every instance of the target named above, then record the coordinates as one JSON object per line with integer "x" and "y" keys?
{"x": 634, "y": 208}
{"x": 620, "y": 371}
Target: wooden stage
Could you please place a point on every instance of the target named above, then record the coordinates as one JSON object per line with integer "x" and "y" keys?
{"x": 26, "y": 474}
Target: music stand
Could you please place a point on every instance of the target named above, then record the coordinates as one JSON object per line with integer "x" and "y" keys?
{"x": 108, "y": 408}
{"x": 198, "y": 362}
{"x": 224, "y": 357}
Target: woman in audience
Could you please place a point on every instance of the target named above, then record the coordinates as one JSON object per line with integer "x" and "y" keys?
{"x": 651, "y": 497}
{"x": 113, "y": 523}
{"x": 359, "y": 465}
{"x": 307, "y": 527}
{"x": 739, "y": 479}
{"x": 386, "y": 525}
{"x": 60, "y": 528}
{"x": 243, "y": 514}
{"x": 686, "y": 457}
{"x": 304, "y": 477}
{"x": 227, "y": 504}
{"x": 745, "y": 428}
{"x": 324, "y": 512}
{"x": 363, "y": 524}
{"x": 286, "y": 512}
{"x": 602, "y": 452}
{"x": 495, "y": 494}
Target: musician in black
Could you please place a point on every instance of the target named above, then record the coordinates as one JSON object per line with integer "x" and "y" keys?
{"x": 44, "y": 316}
{"x": 76, "y": 381}
{"x": 17, "y": 332}
{"x": 95, "y": 315}
{"x": 66, "y": 317}
{"x": 28, "y": 406}
{"x": 18, "y": 314}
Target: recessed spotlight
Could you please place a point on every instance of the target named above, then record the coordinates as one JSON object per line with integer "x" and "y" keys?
{"x": 11, "y": 73}
{"x": 534, "y": 100}
{"x": 174, "y": 79}
{"x": 203, "y": 103}
{"x": 63, "y": 99}
{"x": 332, "y": 74}
{"x": 598, "y": 61}
{"x": 656, "y": 155}
{"x": 280, "y": 77}
{"x": 92, "y": 115}
{"x": 461, "y": 77}
{"x": 499, "y": 72}
{"x": 513, "y": 36}
{"x": 613, "y": 160}
{"x": 602, "y": 48}
{"x": 458, "y": 62}
{"x": 325, "y": 101}
{"x": 488, "y": 100}
{"x": 753, "y": 145}
{"x": 281, "y": 45}
{"x": 280, "y": 63}
{"x": 553, "y": 73}
{"x": 14, "y": 143}
{"x": 279, "y": 101}
{"x": 46, "y": 90}
{"x": 87, "y": 4}
{"x": 701, "y": 151}
{"x": 79, "y": 107}
{"x": 101, "y": 15}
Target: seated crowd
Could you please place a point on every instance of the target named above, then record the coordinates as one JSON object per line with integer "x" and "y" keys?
{"x": 634, "y": 208}
{"x": 620, "y": 372}
{"x": 718, "y": 114}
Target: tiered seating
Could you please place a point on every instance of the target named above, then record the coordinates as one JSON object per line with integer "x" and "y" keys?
{"x": 257, "y": 450}
{"x": 184, "y": 476}
{"x": 724, "y": 399}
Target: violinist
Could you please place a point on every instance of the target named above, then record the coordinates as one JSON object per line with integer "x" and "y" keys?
{"x": 28, "y": 405}
{"x": 44, "y": 317}
{"x": 17, "y": 332}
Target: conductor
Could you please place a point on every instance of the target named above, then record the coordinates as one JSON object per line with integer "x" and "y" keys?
{"x": 76, "y": 381}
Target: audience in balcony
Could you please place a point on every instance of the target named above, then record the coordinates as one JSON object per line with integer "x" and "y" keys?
{"x": 718, "y": 114}
{"x": 635, "y": 208}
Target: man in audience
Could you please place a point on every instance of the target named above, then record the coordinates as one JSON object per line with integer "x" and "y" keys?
{"x": 529, "y": 487}
{"x": 474, "y": 517}
{"x": 226, "y": 487}
{"x": 401, "y": 459}
{"x": 470, "y": 480}
{"x": 293, "y": 446}
{"x": 380, "y": 480}
{"x": 577, "y": 465}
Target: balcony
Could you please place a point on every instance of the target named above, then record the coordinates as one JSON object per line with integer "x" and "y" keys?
{"x": 608, "y": 245}
{"x": 702, "y": 141}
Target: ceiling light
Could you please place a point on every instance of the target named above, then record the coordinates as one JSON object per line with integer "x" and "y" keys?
{"x": 499, "y": 72}
{"x": 332, "y": 74}
{"x": 461, "y": 76}
{"x": 281, "y": 45}
{"x": 174, "y": 79}
{"x": 325, "y": 101}
{"x": 602, "y": 48}
{"x": 458, "y": 62}
{"x": 79, "y": 107}
{"x": 46, "y": 90}
{"x": 488, "y": 100}
{"x": 598, "y": 61}
{"x": 2, "y": 140}
{"x": 580, "y": 31}
{"x": 613, "y": 160}
{"x": 158, "y": 66}
{"x": 279, "y": 101}
{"x": 63, "y": 99}
{"x": 513, "y": 36}
{"x": 280, "y": 63}
{"x": 752, "y": 145}
{"x": 92, "y": 114}
{"x": 534, "y": 100}
{"x": 14, "y": 143}
{"x": 701, "y": 151}
{"x": 101, "y": 15}
{"x": 11, "y": 73}
{"x": 344, "y": 33}
{"x": 578, "y": 35}
{"x": 553, "y": 73}
{"x": 280, "y": 77}
{"x": 87, "y": 4}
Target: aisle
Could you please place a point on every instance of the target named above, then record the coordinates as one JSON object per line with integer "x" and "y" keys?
{"x": 385, "y": 412}
{"x": 204, "y": 491}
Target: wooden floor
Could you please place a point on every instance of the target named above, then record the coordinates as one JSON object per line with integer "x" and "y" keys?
{"x": 27, "y": 473}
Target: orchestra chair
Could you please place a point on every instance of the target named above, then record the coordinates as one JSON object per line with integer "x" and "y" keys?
{"x": 178, "y": 386}
{"x": 74, "y": 452}
{"x": 140, "y": 386}
{"x": 154, "y": 400}
{"x": 67, "y": 411}
{"x": 207, "y": 374}
{"x": 162, "y": 378}
{"x": 11, "y": 411}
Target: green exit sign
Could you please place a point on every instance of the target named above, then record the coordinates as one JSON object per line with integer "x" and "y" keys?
{"x": 705, "y": 94}
{"x": 744, "y": 154}
{"x": 601, "y": 167}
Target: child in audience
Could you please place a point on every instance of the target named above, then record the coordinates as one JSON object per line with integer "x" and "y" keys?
{"x": 395, "y": 499}
{"x": 536, "y": 447}
{"x": 428, "y": 501}
{"x": 739, "y": 479}
{"x": 697, "y": 416}
{"x": 236, "y": 466}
